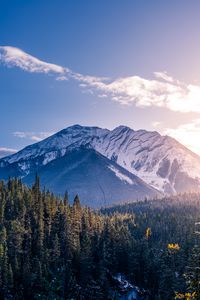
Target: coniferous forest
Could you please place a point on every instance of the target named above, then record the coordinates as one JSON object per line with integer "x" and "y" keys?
{"x": 51, "y": 249}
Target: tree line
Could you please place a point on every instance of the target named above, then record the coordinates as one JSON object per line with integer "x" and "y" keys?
{"x": 53, "y": 249}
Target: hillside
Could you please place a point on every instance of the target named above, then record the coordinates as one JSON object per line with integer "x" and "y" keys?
{"x": 160, "y": 161}
{"x": 50, "y": 249}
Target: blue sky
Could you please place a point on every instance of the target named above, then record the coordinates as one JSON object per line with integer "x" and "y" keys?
{"x": 147, "y": 50}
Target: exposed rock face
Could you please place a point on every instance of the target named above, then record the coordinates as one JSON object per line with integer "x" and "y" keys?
{"x": 160, "y": 161}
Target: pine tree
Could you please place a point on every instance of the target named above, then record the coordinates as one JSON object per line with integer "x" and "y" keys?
{"x": 192, "y": 273}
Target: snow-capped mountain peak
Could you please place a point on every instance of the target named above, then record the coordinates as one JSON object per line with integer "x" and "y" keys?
{"x": 159, "y": 160}
{"x": 57, "y": 144}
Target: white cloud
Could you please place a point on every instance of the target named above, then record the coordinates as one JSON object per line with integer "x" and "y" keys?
{"x": 14, "y": 57}
{"x": 163, "y": 91}
{"x": 20, "y": 134}
{"x": 61, "y": 78}
{"x": 187, "y": 134}
{"x": 164, "y": 76}
{"x": 156, "y": 124}
{"x": 33, "y": 136}
{"x": 6, "y": 151}
{"x": 152, "y": 92}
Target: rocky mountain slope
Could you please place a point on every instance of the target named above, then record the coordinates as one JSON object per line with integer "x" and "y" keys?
{"x": 160, "y": 161}
{"x": 97, "y": 180}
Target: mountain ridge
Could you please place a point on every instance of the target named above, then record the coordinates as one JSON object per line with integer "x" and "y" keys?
{"x": 160, "y": 161}
{"x": 97, "y": 180}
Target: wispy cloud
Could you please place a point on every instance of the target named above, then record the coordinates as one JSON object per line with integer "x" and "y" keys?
{"x": 156, "y": 124}
{"x": 62, "y": 78}
{"x": 152, "y": 92}
{"x": 164, "y": 76}
{"x": 162, "y": 91}
{"x": 33, "y": 136}
{"x": 14, "y": 57}
{"x": 187, "y": 134}
{"x": 6, "y": 151}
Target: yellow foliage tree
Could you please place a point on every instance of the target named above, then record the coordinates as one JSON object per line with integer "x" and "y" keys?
{"x": 148, "y": 233}
{"x": 186, "y": 296}
{"x": 173, "y": 247}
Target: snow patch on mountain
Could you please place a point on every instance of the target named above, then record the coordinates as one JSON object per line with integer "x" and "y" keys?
{"x": 160, "y": 161}
{"x": 154, "y": 158}
{"x": 120, "y": 175}
{"x": 50, "y": 156}
{"x": 71, "y": 137}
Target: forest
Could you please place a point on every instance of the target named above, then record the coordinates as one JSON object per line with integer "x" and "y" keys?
{"x": 53, "y": 248}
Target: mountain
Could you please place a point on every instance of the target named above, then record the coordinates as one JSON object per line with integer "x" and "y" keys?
{"x": 160, "y": 161}
{"x": 97, "y": 180}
